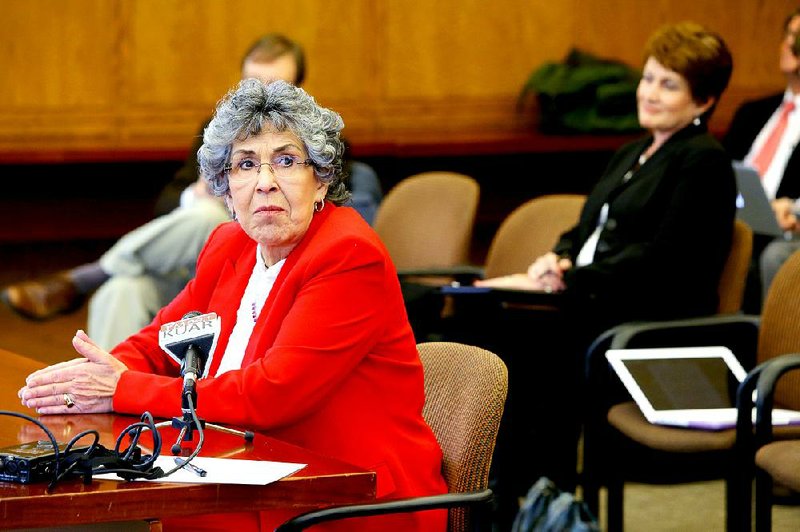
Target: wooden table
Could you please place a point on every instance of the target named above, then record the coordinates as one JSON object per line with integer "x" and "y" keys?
{"x": 322, "y": 482}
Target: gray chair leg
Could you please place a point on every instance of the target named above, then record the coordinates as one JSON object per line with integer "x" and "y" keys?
{"x": 739, "y": 500}
{"x": 615, "y": 504}
{"x": 763, "y": 501}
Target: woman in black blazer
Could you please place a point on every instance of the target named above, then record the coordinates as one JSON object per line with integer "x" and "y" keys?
{"x": 654, "y": 233}
{"x": 650, "y": 243}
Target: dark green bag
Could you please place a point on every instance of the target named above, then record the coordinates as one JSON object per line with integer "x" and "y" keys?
{"x": 584, "y": 94}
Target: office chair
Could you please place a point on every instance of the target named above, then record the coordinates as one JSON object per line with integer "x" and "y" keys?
{"x": 531, "y": 230}
{"x": 766, "y": 452}
{"x": 426, "y": 223}
{"x": 613, "y": 422}
{"x": 426, "y": 220}
{"x": 465, "y": 391}
{"x": 734, "y": 274}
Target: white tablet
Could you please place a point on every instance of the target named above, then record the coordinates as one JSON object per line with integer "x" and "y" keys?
{"x": 686, "y": 387}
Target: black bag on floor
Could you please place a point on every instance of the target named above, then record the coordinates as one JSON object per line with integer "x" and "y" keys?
{"x": 548, "y": 509}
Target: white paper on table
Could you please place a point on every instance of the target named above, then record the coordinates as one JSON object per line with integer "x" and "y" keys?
{"x": 221, "y": 471}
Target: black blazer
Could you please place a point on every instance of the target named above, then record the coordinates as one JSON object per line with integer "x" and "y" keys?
{"x": 745, "y": 127}
{"x": 668, "y": 234}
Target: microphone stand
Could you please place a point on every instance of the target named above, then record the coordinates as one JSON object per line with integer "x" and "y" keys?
{"x": 189, "y": 421}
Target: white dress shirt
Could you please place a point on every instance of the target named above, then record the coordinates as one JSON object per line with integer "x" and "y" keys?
{"x": 255, "y": 295}
{"x": 586, "y": 254}
{"x": 772, "y": 177}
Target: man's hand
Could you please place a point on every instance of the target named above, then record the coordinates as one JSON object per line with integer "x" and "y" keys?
{"x": 784, "y": 213}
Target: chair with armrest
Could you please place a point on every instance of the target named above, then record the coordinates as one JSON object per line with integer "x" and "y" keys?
{"x": 772, "y": 454}
{"x": 426, "y": 223}
{"x": 765, "y": 452}
{"x": 465, "y": 392}
{"x": 620, "y": 444}
{"x": 531, "y": 230}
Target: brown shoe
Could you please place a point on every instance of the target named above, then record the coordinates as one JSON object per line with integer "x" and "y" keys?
{"x": 43, "y": 298}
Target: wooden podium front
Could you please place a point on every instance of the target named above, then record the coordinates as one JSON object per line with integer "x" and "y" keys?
{"x": 323, "y": 482}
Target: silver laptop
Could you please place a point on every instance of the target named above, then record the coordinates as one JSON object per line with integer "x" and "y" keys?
{"x": 753, "y": 206}
{"x": 686, "y": 387}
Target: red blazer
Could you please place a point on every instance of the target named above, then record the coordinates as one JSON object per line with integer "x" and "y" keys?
{"x": 331, "y": 366}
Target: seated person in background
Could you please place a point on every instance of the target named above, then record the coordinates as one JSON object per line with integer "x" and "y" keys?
{"x": 764, "y": 133}
{"x": 664, "y": 200}
{"x": 365, "y": 188}
{"x": 651, "y": 243}
{"x": 147, "y": 267}
{"x": 315, "y": 348}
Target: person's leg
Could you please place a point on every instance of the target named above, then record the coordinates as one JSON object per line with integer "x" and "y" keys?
{"x": 167, "y": 246}
{"x": 772, "y": 258}
{"x": 88, "y": 277}
{"x": 149, "y": 267}
{"x": 366, "y": 189}
{"x": 59, "y": 293}
{"x": 126, "y": 304}
{"x": 118, "y": 307}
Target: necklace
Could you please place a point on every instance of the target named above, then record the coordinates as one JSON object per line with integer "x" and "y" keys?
{"x": 642, "y": 159}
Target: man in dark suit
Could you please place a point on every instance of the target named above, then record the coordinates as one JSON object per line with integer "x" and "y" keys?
{"x": 764, "y": 133}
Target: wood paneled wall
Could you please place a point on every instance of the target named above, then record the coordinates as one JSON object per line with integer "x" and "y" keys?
{"x": 142, "y": 74}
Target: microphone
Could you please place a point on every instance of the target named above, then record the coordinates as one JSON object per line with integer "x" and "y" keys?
{"x": 191, "y": 342}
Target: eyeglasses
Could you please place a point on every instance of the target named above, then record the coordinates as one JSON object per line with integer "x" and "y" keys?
{"x": 281, "y": 166}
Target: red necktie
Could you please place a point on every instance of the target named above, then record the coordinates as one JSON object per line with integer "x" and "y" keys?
{"x": 762, "y": 161}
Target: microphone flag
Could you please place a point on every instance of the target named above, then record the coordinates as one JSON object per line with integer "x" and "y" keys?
{"x": 194, "y": 329}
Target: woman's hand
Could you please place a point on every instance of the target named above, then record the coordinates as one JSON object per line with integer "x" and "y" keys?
{"x": 547, "y": 272}
{"x": 79, "y": 386}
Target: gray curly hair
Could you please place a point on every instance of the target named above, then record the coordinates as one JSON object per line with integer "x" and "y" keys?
{"x": 253, "y": 106}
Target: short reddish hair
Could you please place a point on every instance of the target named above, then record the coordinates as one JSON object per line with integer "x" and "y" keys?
{"x": 697, "y": 54}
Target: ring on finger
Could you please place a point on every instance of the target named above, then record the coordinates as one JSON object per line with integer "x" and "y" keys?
{"x": 68, "y": 400}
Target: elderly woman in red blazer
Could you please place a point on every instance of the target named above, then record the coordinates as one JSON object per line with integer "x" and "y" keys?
{"x": 315, "y": 347}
